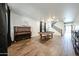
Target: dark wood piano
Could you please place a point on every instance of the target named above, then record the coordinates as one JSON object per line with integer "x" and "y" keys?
{"x": 21, "y": 32}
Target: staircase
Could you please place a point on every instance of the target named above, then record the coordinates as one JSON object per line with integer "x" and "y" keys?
{"x": 56, "y": 28}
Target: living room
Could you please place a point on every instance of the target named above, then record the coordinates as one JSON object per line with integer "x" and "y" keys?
{"x": 39, "y": 29}
{"x": 21, "y": 17}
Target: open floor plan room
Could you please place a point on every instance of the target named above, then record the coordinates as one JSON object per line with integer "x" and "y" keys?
{"x": 42, "y": 29}
{"x": 39, "y": 29}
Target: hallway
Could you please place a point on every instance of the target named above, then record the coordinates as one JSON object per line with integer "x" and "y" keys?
{"x": 67, "y": 43}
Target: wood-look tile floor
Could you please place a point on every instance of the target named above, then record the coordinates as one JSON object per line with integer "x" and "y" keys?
{"x": 34, "y": 47}
{"x": 67, "y": 44}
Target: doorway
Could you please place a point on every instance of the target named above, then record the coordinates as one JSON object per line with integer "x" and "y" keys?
{"x": 68, "y": 28}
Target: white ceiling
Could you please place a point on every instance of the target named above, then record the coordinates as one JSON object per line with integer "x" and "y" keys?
{"x": 66, "y": 11}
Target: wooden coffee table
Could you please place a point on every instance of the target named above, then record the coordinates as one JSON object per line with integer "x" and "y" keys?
{"x": 46, "y": 35}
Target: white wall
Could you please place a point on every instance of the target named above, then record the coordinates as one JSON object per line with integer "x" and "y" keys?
{"x": 17, "y": 20}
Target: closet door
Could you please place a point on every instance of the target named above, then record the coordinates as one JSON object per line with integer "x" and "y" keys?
{"x": 3, "y": 30}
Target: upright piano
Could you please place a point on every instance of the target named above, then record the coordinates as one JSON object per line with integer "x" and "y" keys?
{"x": 22, "y": 32}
